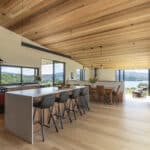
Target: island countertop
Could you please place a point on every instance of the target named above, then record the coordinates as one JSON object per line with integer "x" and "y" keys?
{"x": 43, "y": 91}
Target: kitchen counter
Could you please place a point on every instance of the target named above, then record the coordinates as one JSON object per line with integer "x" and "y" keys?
{"x": 19, "y": 109}
{"x": 21, "y": 87}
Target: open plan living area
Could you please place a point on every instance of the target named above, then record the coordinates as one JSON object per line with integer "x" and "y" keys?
{"x": 74, "y": 74}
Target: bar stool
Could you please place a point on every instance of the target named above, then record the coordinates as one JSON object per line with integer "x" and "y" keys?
{"x": 75, "y": 103}
{"x": 62, "y": 99}
{"x": 84, "y": 96}
{"x": 46, "y": 102}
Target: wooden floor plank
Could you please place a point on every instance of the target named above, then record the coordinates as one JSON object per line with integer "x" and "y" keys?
{"x": 105, "y": 127}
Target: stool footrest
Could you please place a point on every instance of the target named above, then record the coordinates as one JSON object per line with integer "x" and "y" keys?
{"x": 38, "y": 122}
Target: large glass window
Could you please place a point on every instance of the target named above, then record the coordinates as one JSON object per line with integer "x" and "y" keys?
{"x": 136, "y": 80}
{"x": 117, "y": 75}
{"x": 47, "y": 71}
{"x": 10, "y": 75}
{"x": 52, "y": 72}
{"x": 59, "y": 72}
{"x": 120, "y": 75}
{"x": 28, "y": 75}
{"x": 80, "y": 74}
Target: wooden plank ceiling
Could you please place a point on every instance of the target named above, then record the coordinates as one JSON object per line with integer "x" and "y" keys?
{"x": 108, "y": 33}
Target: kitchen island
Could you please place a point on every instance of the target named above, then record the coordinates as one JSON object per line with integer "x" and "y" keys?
{"x": 19, "y": 109}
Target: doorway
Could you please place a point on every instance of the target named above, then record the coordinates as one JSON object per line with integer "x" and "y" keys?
{"x": 136, "y": 83}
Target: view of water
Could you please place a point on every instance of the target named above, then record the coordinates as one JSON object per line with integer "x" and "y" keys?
{"x": 130, "y": 84}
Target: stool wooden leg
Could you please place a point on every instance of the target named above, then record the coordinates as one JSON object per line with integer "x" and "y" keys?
{"x": 83, "y": 104}
{"x": 53, "y": 119}
{"x": 86, "y": 104}
{"x": 78, "y": 107}
{"x": 73, "y": 109}
{"x": 54, "y": 123}
{"x": 68, "y": 112}
{"x": 42, "y": 123}
{"x": 34, "y": 115}
{"x": 60, "y": 116}
{"x": 49, "y": 121}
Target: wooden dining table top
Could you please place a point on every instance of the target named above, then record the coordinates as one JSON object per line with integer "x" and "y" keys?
{"x": 108, "y": 90}
{"x": 105, "y": 88}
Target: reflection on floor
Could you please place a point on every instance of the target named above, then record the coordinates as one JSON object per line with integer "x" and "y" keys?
{"x": 136, "y": 99}
{"x": 105, "y": 127}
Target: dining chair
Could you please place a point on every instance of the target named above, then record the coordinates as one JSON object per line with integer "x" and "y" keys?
{"x": 92, "y": 93}
{"x": 116, "y": 95}
{"x": 108, "y": 95}
{"x": 100, "y": 93}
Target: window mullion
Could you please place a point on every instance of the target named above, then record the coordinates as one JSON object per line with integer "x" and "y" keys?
{"x": 0, "y": 75}
{"x": 21, "y": 76}
{"x": 53, "y": 73}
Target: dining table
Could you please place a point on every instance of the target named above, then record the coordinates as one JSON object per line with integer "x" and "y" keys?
{"x": 108, "y": 92}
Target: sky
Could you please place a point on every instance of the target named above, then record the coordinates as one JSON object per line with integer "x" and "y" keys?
{"x": 26, "y": 71}
{"x": 10, "y": 69}
{"x": 48, "y": 69}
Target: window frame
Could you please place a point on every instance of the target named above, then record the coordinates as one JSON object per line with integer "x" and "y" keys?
{"x": 120, "y": 75}
{"x": 13, "y": 66}
{"x": 81, "y": 75}
{"x": 78, "y": 79}
{"x": 35, "y": 69}
{"x": 21, "y": 75}
{"x": 52, "y": 68}
{"x": 64, "y": 71}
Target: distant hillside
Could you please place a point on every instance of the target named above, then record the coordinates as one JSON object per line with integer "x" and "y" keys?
{"x": 8, "y": 78}
{"x": 48, "y": 77}
{"x": 136, "y": 76}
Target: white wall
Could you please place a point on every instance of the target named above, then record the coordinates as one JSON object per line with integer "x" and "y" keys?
{"x": 106, "y": 74}
{"x": 87, "y": 74}
{"x": 103, "y": 74}
{"x": 13, "y": 53}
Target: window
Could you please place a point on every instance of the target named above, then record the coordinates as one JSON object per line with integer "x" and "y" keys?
{"x": 59, "y": 72}
{"x": 28, "y": 75}
{"x": 80, "y": 74}
{"x": 47, "y": 71}
{"x": 119, "y": 75}
{"x": 134, "y": 79}
{"x": 52, "y": 72}
{"x": 10, "y": 75}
